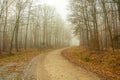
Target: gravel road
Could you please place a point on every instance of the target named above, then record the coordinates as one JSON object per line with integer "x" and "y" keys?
{"x": 52, "y": 66}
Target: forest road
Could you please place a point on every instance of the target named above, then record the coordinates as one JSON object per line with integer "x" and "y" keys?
{"x": 53, "y": 66}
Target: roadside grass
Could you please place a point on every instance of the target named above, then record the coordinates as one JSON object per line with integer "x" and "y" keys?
{"x": 105, "y": 63}
{"x": 22, "y": 55}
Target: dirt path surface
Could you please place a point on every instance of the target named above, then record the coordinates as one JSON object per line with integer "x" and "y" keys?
{"x": 52, "y": 66}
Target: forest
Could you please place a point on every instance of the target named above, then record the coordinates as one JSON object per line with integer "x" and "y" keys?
{"x": 24, "y": 24}
{"x": 96, "y": 22}
{"x": 59, "y": 39}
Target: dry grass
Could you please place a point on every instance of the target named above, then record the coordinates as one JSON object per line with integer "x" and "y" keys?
{"x": 104, "y": 63}
{"x": 22, "y": 55}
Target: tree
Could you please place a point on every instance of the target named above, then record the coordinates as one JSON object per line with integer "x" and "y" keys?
{"x": 96, "y": 22}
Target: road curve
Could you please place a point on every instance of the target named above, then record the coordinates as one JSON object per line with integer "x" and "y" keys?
{"x": 52, "y": 66}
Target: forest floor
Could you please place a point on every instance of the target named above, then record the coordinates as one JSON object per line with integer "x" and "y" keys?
{"x": 13, "y": 66}
{"x": 105, "y": 64}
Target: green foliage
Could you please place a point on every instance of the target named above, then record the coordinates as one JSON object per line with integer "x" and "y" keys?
{"x": 79, "y": 54}
{"x": 85, "y": 58}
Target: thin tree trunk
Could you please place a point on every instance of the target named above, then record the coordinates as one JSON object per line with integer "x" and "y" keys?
{"x": 27, "y": 26}
{"x": 5, "y": 25}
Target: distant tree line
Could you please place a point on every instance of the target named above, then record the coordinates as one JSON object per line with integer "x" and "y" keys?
{"x": 96, "y": 23}
{"x": 24, "y": 25}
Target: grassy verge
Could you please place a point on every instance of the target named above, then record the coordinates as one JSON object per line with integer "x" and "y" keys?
{"x": 105, "y": 63}
{"x": 22, "y": 55}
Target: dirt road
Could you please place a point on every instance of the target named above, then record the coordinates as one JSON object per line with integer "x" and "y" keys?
{"x": 52, "y": 66}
